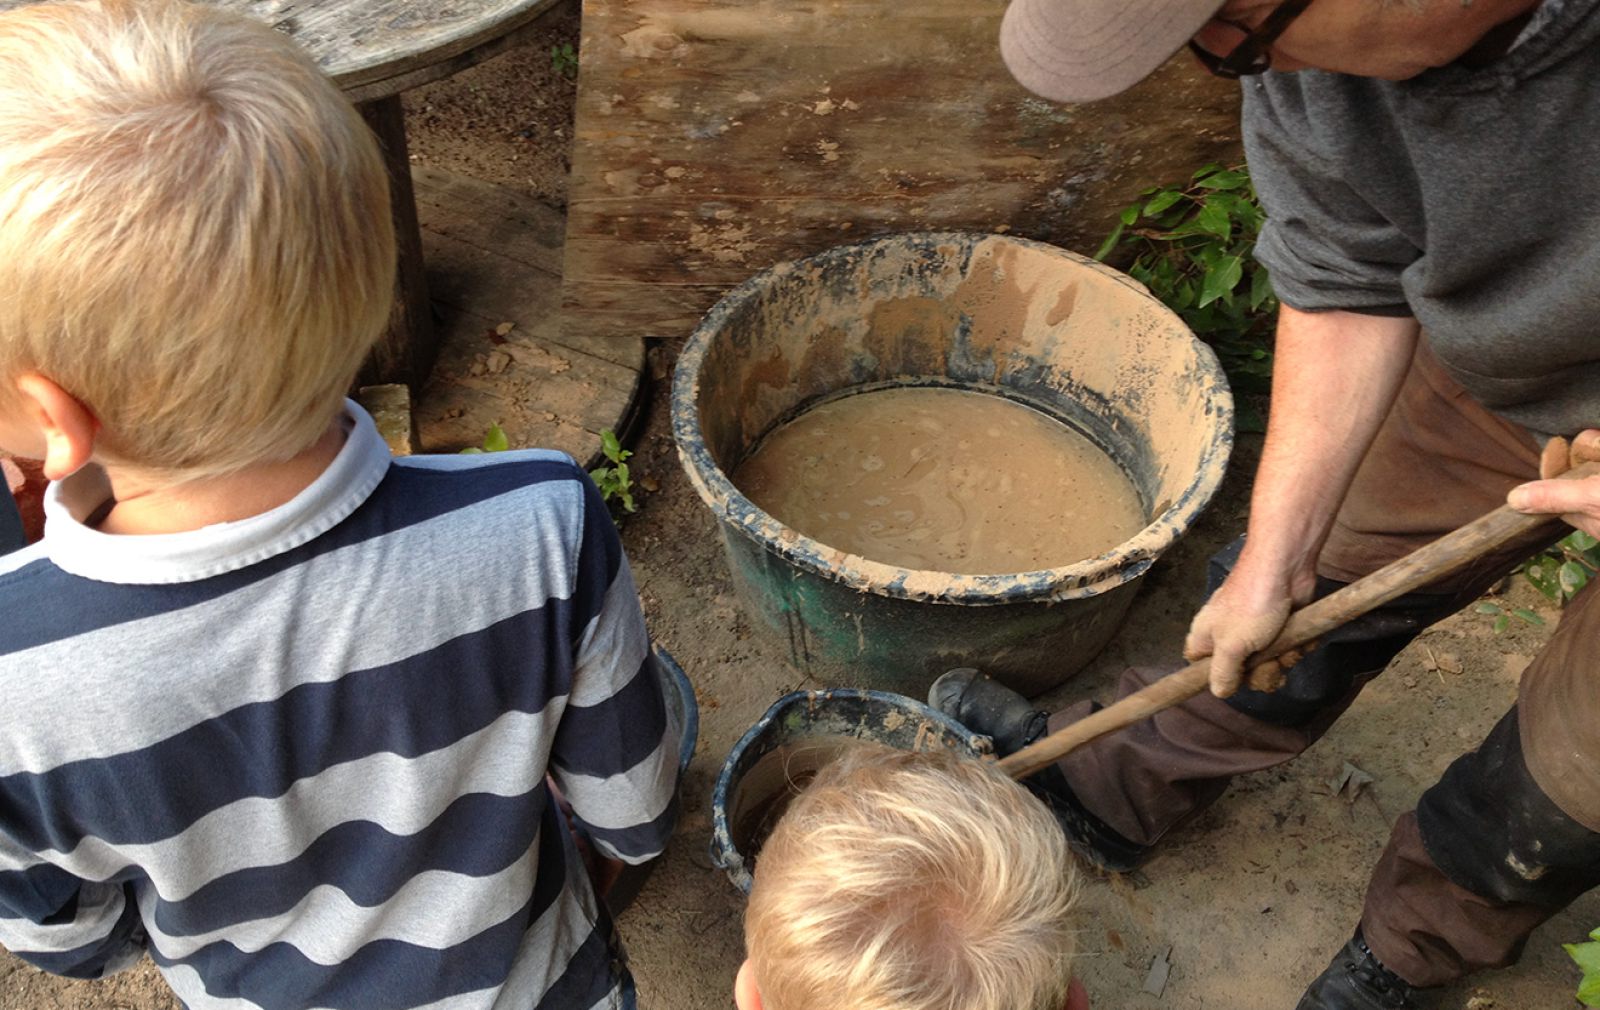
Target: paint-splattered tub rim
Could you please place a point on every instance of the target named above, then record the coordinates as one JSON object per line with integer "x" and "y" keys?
{"x": 1081, "y": 579}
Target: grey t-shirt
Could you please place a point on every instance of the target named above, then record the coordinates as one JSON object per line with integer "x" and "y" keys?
{"x": 1467, "y": 198}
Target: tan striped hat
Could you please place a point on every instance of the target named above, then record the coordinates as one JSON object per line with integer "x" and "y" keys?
{"x": 1083, "y": 50}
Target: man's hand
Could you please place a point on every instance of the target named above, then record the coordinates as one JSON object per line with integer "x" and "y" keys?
{"x": 1242, "y": 617}
{"x": 1576, "y": 501}
{"x": 1334, "y": 377}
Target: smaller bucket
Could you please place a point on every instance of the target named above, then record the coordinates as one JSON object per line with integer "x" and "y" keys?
{"x": 678, "y": 694}
{"x": 815, "y": 717}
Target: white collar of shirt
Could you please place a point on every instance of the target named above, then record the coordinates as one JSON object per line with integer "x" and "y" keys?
{"x": 166, "y": 558}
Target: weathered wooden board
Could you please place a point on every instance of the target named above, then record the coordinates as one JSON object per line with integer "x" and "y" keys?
{"x": 494, "y": 257}
{"x": 716, "y": 137}
{"x": 377, "y": 48}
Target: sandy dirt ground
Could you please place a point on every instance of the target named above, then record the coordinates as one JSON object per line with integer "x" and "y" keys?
{"x": 1247, "y": 903}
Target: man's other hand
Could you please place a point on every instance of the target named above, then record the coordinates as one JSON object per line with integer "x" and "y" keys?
{"x": 1575, "y": 501}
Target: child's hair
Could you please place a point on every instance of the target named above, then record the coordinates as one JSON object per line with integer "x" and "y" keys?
{"x": 195, "y": 233}
{"x": 901, "y": 881}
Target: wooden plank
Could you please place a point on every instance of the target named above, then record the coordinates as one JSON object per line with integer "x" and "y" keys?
{"x": 493, "y": 217}
{"x": 539, "y": 393}
{"x": 378, "y": 48}
{"x": 717, "y": 137}
{"x": 501, "y": 254}
{"x": 420, "y": 73}
{"x": 492, "y": 259}
{"x": 361, "y": 41}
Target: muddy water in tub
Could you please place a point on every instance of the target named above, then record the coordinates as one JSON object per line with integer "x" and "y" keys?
{"x": 943, "y": 479}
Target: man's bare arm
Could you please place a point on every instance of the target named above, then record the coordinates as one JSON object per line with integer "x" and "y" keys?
{"x": 1335, "y": 375}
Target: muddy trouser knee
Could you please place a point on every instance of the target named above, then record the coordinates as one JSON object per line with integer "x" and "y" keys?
{"x": 1510, "y": 835}
{"x": 1439, "y": 461}
{"x": 1484, "y": 859}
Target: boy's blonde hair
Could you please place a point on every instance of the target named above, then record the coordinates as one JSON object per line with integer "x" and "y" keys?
{"x": 195, "y": 234}
{"x": 900, "y": 881}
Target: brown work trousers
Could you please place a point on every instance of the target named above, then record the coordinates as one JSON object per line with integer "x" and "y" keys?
{"x": 1440, "y": 460}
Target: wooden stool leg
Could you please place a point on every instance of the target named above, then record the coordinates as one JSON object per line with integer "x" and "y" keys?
{"x": 407, "y": 350}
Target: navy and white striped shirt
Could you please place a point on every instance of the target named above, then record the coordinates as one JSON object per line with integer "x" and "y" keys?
{"x": 301, "y": 758}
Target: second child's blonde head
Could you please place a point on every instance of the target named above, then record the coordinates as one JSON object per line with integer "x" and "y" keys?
{"x": 901, "y": 881}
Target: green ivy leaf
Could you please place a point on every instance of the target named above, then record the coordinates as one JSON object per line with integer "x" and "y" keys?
{"x": 1224, "y": 179}
{"x": 1193, "y": 249}
{"x": 1250, "y": 214}
{"x": 1227, "y": 202}
{"x": 1183, "y": 296}
{"x": 1220, "y": 280}
{"x": 1572, "y": 577}
{"x": 1213, "y": 219}
{"x": 1260, "y": 287}
{"x": 1110, "y": 243}
{"x": 1542, "y": 580}
{"x": 1161, "y": 201}
{"x": 1582, "y": 541}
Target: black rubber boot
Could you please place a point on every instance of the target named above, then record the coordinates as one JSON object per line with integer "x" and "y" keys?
{"x": 988, "y": 707}
{"x": 1357, "y": 980}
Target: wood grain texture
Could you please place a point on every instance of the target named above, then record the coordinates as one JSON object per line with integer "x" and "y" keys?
{"x": 383, "y": 47}
{"x": 494, "y": 257}
{"x": 717, "y": 137}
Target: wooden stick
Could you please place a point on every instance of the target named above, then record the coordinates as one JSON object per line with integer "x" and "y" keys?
{"x": 1451, "y": 552}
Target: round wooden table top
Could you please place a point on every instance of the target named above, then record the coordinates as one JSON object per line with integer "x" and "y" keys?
{"x": 377, "y": 48}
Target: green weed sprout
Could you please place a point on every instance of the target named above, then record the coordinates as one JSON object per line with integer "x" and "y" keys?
{"x": 1587, "y": 956}
{"x": 1559, "y": 573}
{"x": 614, "y": 481}
{"x": 495, "y": 441}
{"x": 564, "y": 60}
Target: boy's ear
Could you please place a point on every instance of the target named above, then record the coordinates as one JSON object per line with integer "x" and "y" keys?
{"x": 745, "y": 994}
{"x": 68, "y": 426}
